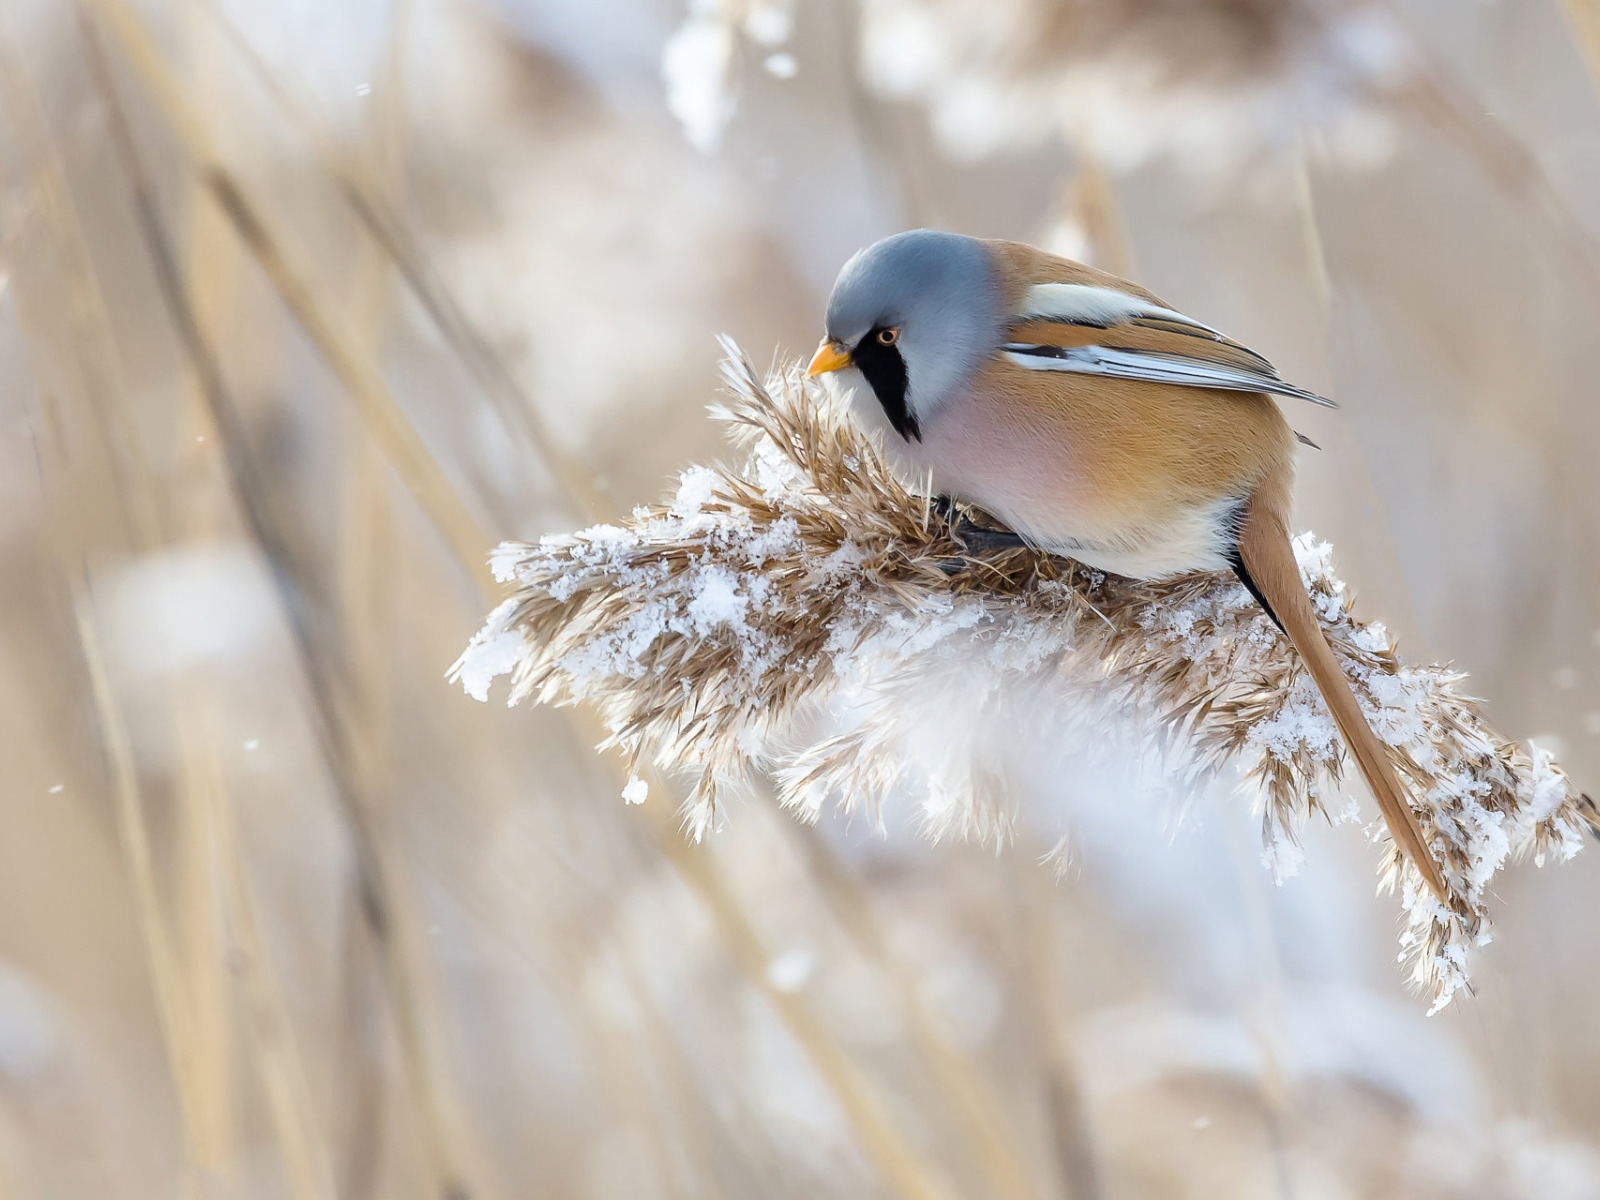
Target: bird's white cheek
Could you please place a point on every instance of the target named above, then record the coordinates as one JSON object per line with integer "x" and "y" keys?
{"x": 863, "y": 402}
{"x": 904, "y": 458}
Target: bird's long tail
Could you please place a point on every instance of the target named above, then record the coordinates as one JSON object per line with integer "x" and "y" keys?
{"x": 1270, "y": 570}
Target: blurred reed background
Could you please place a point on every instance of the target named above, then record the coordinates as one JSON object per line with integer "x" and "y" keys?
{"x": 307, "y": 304}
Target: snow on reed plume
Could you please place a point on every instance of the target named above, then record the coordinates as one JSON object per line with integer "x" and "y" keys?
{"x": 808, "y": 615}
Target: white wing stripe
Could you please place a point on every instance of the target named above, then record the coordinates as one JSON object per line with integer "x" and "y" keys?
{"x": 1086, "y": 304}
{"x": 1152, "y": 368}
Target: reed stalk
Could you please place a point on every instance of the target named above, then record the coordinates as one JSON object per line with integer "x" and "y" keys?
{"x": 1584, "y": 18}
{"x": 135, "y": 520}
{"x": 882, "y": 1142}
{"x": 376, "y": 871}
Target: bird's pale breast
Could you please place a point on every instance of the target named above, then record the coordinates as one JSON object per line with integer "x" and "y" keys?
{"x": 1140, "y": 479}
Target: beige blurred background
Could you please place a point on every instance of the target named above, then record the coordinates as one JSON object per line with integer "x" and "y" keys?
{"x": 308, "y": 303}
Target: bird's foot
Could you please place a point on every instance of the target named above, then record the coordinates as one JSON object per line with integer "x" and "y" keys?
{"x": 973, "y": 539}
{"x": 978, "y": 540}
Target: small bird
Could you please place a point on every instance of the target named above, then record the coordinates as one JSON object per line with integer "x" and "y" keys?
{"x": 1097, "y": 422}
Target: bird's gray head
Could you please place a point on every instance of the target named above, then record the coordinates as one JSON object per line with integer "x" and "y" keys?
{"x": 917, "y": 314}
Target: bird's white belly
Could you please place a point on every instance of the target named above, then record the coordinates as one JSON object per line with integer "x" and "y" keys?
{"x": 1195, "y": 539}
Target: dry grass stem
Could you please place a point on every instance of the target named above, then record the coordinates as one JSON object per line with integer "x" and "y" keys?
{"x": 406, "y": 988}
{"x": 1091, "y": 205}
{"x": 1071, "y": 1136}
{"x": 182, "y": 984}
{"x": 793, "y": 614}
{"x": 378, "y": 215}
{"x": 270, "y": 1036}
{"x": 1584, "y": 17}
{"x": 1440, "y": 99}
{"x": 971, "y": 1098}
{"x": 882, "y": 1142}
{"x": 905, "y": 1171}
{"x": 166, "y": 973}
{"x": 380, "y": 412}
{"x": 97, "y": 366}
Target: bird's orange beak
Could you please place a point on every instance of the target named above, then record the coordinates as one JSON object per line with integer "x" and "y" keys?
{"x": 830, "y": 356}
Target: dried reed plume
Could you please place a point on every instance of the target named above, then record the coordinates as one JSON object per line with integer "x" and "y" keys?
{"x": 809, "y": 615}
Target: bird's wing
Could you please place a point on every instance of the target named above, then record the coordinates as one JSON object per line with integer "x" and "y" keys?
{"x": 1092, "y": 330}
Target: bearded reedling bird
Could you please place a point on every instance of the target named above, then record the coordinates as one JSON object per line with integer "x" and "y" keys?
{"x": 1097, "y": 423}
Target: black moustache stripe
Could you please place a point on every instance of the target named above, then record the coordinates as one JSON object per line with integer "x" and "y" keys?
{"x": 885, "y": 372}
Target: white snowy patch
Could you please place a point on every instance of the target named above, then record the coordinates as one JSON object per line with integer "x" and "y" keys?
{"x": 494, "y": 650}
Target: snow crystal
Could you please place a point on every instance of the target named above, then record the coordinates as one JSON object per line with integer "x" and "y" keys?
{"x": 841, "y": 562}
{"x": 504, "y": 560}
{"x": 1283, "y": 858}
{"x": 782, "y": 537}
{"x": 776, "y": 475}
{"x": 695, "y": 487}
{"x": 564, "y": 587}
{"x": 1549, "y": 786}
{"x": 636, "y": 791}
{"x": 620, "y": 652}
{"x": 1302, "y": 723}
{"x": 493, "y": 651}
{"x": 717, "y": 600}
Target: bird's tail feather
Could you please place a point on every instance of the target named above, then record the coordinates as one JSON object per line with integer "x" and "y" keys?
{"x": 1272, "y": 574}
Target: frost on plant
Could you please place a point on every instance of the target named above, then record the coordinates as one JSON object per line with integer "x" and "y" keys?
{"x": 806, "y": 615}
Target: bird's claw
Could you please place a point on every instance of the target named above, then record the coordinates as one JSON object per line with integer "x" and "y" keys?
{"x": 973, "y": 539}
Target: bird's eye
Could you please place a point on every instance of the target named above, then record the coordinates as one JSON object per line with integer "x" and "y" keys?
{"x": 888, "y": 337}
